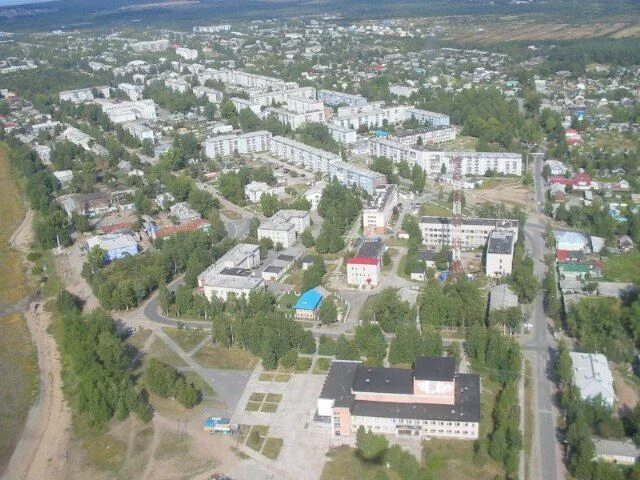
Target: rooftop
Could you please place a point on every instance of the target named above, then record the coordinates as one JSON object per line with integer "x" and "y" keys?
{"x": 497, "y": 222}
{"x": 502, "y": 297}
{"x": 500, "y": 242}
{"x": 434, "y": 368}
{"x": 383, "y": 380}
{"x": 309, "y": 300}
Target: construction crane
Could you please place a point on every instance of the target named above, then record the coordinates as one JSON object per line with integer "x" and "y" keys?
{"x": 456, "y": 233}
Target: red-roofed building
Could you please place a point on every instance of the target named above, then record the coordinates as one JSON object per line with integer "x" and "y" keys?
{"x": 363, "y": 269}
{"x": 171, "y": 230}
{"x": 580, "y": 181}
{"x": 573, "y": 137}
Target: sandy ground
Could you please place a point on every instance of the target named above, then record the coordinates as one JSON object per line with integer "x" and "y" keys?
{"x": 41, "y": 451}
{"x": 627, "y": 395}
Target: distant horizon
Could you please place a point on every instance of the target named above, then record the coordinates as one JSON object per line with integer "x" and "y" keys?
{"x": 15, "y": 3}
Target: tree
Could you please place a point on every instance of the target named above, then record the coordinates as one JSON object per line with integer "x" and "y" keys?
{"x": 229, "y": 112}
{"x": 328, "y": 312}
{"x": 270, "y": 204}
{"x": 254, "y": 224}
{"x": 371, "y": 342}
{"x": 249, "y": 121}
{"x": 306, "y": 237}
{"x": 312, "y": 277}
{"x": 370, "y": 446}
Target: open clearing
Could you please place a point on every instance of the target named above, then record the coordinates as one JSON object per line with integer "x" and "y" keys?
{"x": 186, "y": 339}
{"x": 225, "y": 358}
{"x": 623, "y": 268}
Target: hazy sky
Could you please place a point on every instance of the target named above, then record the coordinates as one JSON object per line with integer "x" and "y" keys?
{"x": 6, "y": 3}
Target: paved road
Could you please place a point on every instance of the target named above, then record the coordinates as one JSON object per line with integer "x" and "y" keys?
{"x": 539, "y": 349}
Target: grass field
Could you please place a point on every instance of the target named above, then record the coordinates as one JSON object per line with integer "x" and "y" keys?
{"x": 347, "y": 465}
{"x": 623, "y": 268}
{"x": 434, "y": 210}
{"x": 271, "y": 448}
{"x": 160, "y": 351}
{"x": 225, "y": 358}
{"x": 18, "y": 358}
{"x": 187, "y": 339}
{"x": 321, "y": 366}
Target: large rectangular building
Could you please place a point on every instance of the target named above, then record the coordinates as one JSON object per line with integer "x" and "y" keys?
{"x": 435, "y": 163}
{"x": 334, "y": 99}
{"x": 225, "y": 145}
{"x": 430, "y": 400}
{"x": 438, "y": 231}
{"x": 499, "y": 257}
{"x": 285, "y": 227}
{"x": 376, "y": 215}
{"x": 363, "y": 269}
{"x": 232, "y": 273}
{"x": 298, "y": 153}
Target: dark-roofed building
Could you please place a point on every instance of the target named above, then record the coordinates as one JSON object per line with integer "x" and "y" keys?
{"x": 430, "y": 400}
{"x": 363, "y": 269}
{"x": 499, "y": 258}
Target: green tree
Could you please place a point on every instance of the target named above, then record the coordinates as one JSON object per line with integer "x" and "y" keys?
{"x": 371, "y": 447}
{"x": 328, "y": 312}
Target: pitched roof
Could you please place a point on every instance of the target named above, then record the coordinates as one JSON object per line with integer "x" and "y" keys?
{"x": 309, "y": 300}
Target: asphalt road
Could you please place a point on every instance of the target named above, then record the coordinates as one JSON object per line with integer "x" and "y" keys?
{"x": 540, "y": 350}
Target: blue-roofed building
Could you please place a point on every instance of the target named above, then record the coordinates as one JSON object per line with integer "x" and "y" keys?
{"x": 382, "y": 133}
{"x": 308, "y": 303}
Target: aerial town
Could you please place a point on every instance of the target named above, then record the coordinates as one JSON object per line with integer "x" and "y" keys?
{"x": 319, "y": 247}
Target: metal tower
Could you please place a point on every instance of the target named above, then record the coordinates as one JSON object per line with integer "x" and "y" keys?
{"x": 456, "y": 232}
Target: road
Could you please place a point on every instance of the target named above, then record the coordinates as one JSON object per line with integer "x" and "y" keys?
{"x": 546, "y": 455}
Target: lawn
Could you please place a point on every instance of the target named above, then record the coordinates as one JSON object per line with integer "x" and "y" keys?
{"x": 231, "y": 214}
{"x": 139, "y": 338}
{"x": 252, "y": 407}
{"x": 257, "y": 397}
{"x": 623, "y": 268}
{"x": 160, "y": 351}
{"x": 256, "y": 437}
{"x": 186, "y": 339}
{"x": 454, "y": 459}
{"x": 347, "y": 465}
{"x": 274, "y": 377}
{"x": 431, "y": 209}
{"x": 271, "y": 448}
{"x": 321, "y": 366}
{"x": 269, "y": 407}
{"x": 273, "y": 397}
{"x": 225, "y": 358}
{"x": 199, "y": 382}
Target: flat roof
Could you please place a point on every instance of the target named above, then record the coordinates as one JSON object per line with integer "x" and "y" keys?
{"x": 337, "y": 385}
{"x": 383, "y": 380}
{"x": 370, "y": 249}
{"x": 465, "y": 409}
{"x": 434, "y": 368}
{"x": 497, "y": 222}
{"x": 500, "y": 242}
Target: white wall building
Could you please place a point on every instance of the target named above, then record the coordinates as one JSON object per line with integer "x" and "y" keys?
{"x": 376, "y": 215}
{"x": 150, "y": 46}
{"x": 593, "y": 377}
{"x": 81, "y": 95}
{"x": 363, "y": 269}
{"x": 499, "y": 257}
{"x": 245, "y": 143}
{"x": 334, "y": 99}
{"x": 187, "y": 53}
{"x": 341, "y": 134}
{"x": 438, "y": 231}
{"x": 254, "y": 190}
{"x": 285, "y": 227}
{"x": 213, "y": 96}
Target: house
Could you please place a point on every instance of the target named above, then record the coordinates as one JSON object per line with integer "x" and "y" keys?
{"x": 428, "y": 259}
{"x": 499, "y": 256}
{"x": 306, "y": 262}
{"x": 114, "y": 245}
{"x": 363, "y": 270}
{"x": 284, "y": 227}
{"x": 314, "y": 194}
{"x": 573, "y": 137}
{"x": 577, "y": 271}
{"x": 307, "y": 305}
{"x": 430, "y": 400}
{"x": 557, "y": 193}
{"x": 622, "y": 452}
{"x": 556, "y": 167}
{"x": 570, "y": 241}
{"x": 593, "y": 377}
{"x": 502, "y": 297}
{"x": 184, "y": 213}
{"x": 63, "y": 177}
{"x": 569, "y": 256}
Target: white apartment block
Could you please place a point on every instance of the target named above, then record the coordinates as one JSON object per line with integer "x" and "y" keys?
{"x": 298, "y": 104}
{"x": 139, "y": 131}
{"x": 294, "y": 120}
{"x": 150, "y": 46}
{"x": 499, "y": 257}
{"x": 438, "y": 231}
{"x": 242, "y": 103}
{"x": 376, "y": 215}
{"x": 248, "y": 80}
{"x": 343, "y": 135}
{"x": 254, "y": 190}
{"x": 433, "y": 163}
{"x": 187, "y": 53}
{"x": 213, "y": 96}
{"x": 212, "y": 28}
{"x": 334, "y": 99}
{"x": 285, "y": 227}
{"x": 128, "y": 111}
{"x": 298, "y": 153}
{"x": 372, "y": 115}
{"x": 433, "y": 118}
{"x": 134, "y": 92}
{"x": 225, "y": 145}
{"x": 83, "y": 94}
{"x": 178, "y": 85}
{"x": 427, "y": 135}
{"x": 283, "y": 94}
{"x": 232, "y": 273}
{"x": 355, "y": 176}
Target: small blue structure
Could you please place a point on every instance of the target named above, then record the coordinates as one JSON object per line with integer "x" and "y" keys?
{"x": 443, "y": 275}
{"x": 308, "y": 303}
{"x": 382, "y": 133}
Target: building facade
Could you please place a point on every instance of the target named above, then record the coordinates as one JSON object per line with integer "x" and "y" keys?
{"x": 499, "y": 257}
{"x": 225, "y": 145}
{"x": 376, "y": 215}
{"x": 438, "y": 231}
{"x": 363, "y": 269}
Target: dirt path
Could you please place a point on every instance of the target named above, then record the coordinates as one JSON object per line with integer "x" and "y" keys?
{"x": 41, "y": 451}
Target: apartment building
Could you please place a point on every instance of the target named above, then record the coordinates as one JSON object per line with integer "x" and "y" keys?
{"x": 212, "y": 28}
{"x": 128, "y": 111}
{"x": 213, "y": 96}
{"x": 343, "y": 135}
{"x": 298, "y": 153}
{"x": 434, "y": 163}
{"x": 430, "y": 400}
{"x": 82, "y": 95}
{"x": 150, "y": 46}
{"x": 334, "y": 99}
{"x": 248, "y": 80}
{"x": 293, "y": 119}
{"x": 225, "y": 145}
{"x": 363, "y": 269}
{"x": 284, "y": 227}
{"x": 232, "y": 273}
{"x": 254, "y": 190}
{"x": 283, "y": 95}
{"x": 376, "y": 215}
{"x": 429, "y": 135}
{"x": 371, "y": 115}
{"x": 187, "y": 53}
{"x": 499, "y": 256}
{"x": 438, "y": 231}
{"x": 432, "y": 118}
{"x": 355, "y": 176}
{"x": 139, "y": 131}
{"x": 134, "y": 92}
{"x": 178, "y": 85}
{"x": 242, "y": 103}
